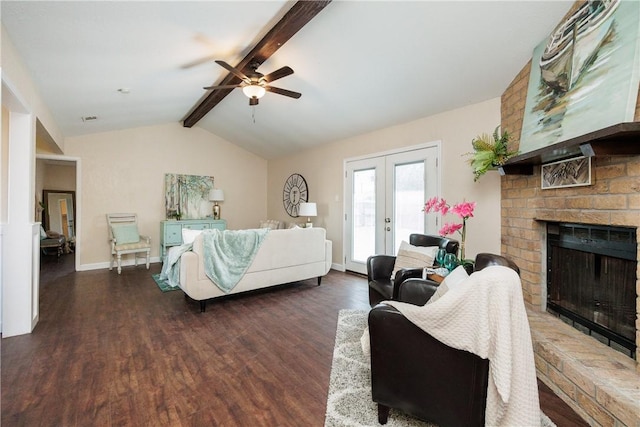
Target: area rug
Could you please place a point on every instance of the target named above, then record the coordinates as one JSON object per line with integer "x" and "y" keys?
{"x": 349, "y": 402}
{"x": 162, "y": 284}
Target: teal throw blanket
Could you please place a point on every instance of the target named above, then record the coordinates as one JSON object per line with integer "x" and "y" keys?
{"x": 171, "y": 267}
{"x": 228, "y": 254}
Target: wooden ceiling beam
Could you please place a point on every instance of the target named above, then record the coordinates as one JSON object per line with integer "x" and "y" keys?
{"x": 297, "y": 17}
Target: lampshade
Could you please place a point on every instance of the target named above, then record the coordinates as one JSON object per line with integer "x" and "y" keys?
{"x": 216, "y": 195}
{"x": 308, "y": 209}
{"x": 254, "y": 90}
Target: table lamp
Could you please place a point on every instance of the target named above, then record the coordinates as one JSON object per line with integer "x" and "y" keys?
{"x": 216, "y": 195}
{"x": 308, "y": 210}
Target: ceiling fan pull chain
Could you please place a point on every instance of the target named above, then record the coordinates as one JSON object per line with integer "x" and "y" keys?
{"x": 253, "y": 113}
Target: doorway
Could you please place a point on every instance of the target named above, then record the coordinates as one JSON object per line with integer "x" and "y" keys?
{"x": 384, "y": 198}
{"x": 58, "y": 198}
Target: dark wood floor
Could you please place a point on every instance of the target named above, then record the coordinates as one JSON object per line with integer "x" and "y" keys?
{"x": 114, "y": 350}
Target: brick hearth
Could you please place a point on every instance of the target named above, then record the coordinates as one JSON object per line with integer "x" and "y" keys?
{"x": 602, "y": 385}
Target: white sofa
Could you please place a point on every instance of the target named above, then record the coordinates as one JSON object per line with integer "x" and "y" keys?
{"x": 285, "y": 256}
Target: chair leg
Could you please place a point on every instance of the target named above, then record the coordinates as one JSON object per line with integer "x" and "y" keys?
{"x": 119, "y": 264}
{"x": 383, "y": 413}
{"x": 111, "y": 262}
{"x": 148, "y": 257}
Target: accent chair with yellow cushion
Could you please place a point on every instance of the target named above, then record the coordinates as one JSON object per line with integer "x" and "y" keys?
{"x": 125, "y": 239}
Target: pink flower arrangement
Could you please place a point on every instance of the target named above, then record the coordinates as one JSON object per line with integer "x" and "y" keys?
{"x": 464, "y": 210}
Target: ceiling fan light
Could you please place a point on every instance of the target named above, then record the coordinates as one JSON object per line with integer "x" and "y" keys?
{"x": 254, "y": 91}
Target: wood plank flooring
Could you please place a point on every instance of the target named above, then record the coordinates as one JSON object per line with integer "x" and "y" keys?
{"x": 113, "y": 350}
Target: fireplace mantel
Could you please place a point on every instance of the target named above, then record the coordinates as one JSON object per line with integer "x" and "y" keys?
{"x": 620, "y": 139}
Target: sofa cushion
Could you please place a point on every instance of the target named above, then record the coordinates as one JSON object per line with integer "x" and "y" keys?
{"x": 53, "y": 234}
{"x": 125, "y": 233}
{"x": 140, "y": 244}
{"x": 410, "y": 256}
{"x": 270, "y": 223}
{"x": 290, "y": 247}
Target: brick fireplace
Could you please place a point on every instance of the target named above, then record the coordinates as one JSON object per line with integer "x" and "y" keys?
{"x": 602, "y": 385}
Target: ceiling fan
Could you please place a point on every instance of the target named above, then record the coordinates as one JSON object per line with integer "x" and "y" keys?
{"x": 256, "y": 84}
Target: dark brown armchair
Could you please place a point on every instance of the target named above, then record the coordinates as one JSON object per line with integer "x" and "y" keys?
{"x": 418, "y": 291}
{"x": 419, "y": 375}
{"x": 379, "y": 268}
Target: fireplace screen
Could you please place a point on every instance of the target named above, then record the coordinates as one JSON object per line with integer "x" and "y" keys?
{"x": 591, "y": 278}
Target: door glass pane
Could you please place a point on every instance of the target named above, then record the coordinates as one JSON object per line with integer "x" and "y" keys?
{"x": 408, "y": 201}
{"x": 364, "y": 214}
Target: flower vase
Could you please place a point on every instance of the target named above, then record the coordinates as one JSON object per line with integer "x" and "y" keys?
{"x": 468, "y": 264}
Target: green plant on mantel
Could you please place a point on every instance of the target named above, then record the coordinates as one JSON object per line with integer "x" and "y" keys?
{"x": 489, "y": 152}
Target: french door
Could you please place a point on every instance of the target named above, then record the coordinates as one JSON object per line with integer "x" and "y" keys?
{"x": 384, "y": 197}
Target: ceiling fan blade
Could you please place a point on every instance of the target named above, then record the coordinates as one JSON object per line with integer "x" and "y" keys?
{"x": 234, "y": 71}
{"x": 278, "y": 74}
{"x": 196, "y": 62}
{"x": 221, "y": 87}
{"x": 285, "y": 92}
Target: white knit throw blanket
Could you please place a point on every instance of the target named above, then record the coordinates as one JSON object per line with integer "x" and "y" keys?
{"x": 485, "y": 315}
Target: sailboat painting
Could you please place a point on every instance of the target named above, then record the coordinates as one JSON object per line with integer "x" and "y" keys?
{"x": 585, "y": 75}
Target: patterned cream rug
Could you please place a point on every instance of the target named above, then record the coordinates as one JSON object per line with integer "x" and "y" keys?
{"x": 349, "y": 402}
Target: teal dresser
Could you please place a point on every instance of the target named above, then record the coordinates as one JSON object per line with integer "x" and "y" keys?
{"x": 171, "y": 230}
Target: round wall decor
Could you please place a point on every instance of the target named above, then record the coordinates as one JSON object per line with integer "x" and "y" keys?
{"x": 295, "y": 192}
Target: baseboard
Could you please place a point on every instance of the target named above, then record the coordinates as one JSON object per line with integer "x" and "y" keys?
{"x": 125, "y": 263}
{"x": 338, "y": 267}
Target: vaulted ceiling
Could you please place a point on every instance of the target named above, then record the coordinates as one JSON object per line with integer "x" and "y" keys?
{"x": 360, "y": 65}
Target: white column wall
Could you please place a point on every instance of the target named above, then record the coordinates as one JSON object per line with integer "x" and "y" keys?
{"x": 20, "y": 259}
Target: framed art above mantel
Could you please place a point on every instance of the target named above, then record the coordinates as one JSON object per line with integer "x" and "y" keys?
{"x": 584, "y": 77}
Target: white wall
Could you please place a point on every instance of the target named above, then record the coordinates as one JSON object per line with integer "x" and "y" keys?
{"x": 19, "y": 264}
{"x": 123, "y": 171}
{"x": 18, "y": 77}
{"x": 322, "y": 167}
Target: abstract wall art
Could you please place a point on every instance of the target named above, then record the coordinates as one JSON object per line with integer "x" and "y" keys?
{"x": 187, "y": 196}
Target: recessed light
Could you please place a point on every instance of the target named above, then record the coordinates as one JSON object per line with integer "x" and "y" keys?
{"x": 89, "y": 118}
{"x": 124, "y": 90}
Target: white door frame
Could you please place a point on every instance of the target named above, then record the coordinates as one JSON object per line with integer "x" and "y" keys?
{"x": 77, "y": 220}
{"x": 346, "y": 235}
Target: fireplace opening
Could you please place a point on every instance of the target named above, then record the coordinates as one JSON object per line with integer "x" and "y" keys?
{"x": 591, "y": 281}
